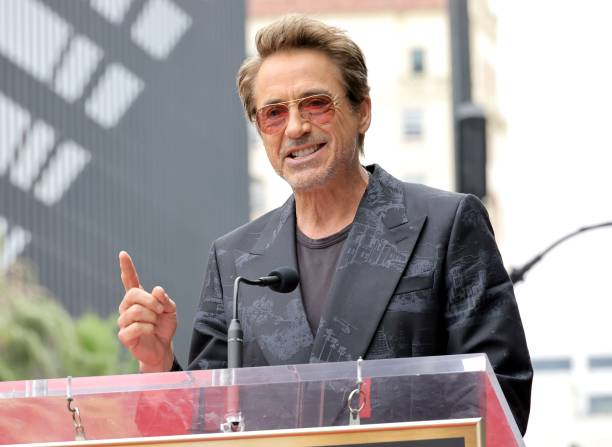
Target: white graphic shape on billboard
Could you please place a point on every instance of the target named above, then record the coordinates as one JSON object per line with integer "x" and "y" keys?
{"x": 24, "y": 152}
{"x": 33, "y": 38}
{"x": 78, "y": 64}
{"x": 111, "y": 10}
{"x": 113, "y": 95}
{"x": 64, "y": 167}
{"x": 159, "y": 27}
{"x": 31, "y": 157}
{"x": 14, "y": 121}
{"x": 15, "y": 240}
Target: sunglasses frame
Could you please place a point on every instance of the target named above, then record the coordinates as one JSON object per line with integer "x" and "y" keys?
{"x": 333, "y": 105}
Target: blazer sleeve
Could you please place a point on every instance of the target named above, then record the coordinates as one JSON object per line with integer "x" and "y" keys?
{"x": 208, "y": 348}
{"x": 481, "y": 311}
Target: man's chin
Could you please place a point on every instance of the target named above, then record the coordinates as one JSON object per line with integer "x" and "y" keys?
{"x": 307, "y": 181}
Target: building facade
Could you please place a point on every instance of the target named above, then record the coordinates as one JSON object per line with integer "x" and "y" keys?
{"x": 406, "y": 46}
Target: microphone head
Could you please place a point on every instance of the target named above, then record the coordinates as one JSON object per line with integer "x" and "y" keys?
{"x": 288, "y": 280}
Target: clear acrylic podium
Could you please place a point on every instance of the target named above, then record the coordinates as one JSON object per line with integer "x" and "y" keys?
{"x": 402, "y": 402}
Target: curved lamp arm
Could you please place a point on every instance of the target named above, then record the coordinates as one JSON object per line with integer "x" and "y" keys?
{"x": 517, "y": 273}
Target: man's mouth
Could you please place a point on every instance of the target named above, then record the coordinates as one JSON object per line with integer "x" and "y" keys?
{"x": 306, "y": 152}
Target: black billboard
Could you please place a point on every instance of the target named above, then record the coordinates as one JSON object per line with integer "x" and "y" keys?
{"x": 120, "y": 128}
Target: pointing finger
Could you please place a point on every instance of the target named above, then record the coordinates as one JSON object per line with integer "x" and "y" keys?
{"x": 129, "y": 277}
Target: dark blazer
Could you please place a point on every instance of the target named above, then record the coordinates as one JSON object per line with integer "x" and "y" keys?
{"x": 420, "y": 274}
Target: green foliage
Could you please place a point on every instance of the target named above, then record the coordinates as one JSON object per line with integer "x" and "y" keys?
{"x": 100, "y": 352}
{"x": 39, "y": 339}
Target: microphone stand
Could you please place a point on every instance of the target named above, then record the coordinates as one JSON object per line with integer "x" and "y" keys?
{"x": 234, "y": 332}
{"x": 234, "y": 421}
{"x": 517, "y": 273}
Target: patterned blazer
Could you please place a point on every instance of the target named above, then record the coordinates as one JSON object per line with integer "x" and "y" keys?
{"x": 420, "y": 274}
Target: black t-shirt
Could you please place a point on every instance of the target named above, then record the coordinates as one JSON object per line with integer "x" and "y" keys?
{"x": 317, "y": 259}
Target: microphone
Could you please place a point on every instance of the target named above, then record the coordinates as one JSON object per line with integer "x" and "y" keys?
{"x": 281, "y": 280}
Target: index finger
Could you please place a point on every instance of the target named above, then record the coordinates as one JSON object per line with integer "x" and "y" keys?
{"x": 129, "y": 277}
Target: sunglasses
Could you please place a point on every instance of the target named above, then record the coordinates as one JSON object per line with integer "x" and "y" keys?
{"x": 318, "y": 109}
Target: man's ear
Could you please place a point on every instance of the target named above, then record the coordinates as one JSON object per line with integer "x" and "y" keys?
{"x": 365, "y": 114}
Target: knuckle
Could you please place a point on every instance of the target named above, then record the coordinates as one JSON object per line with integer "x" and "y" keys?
{"x": 134, "y": 313}
{"x": 123, "y": 337}
{"x": 145, "y": 328}
{"x": 124, "y": 303}
{"x": 138, "y": 296}
{"x": 132, "y": 293}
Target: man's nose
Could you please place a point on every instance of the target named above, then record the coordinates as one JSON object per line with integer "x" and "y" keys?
{"x": 296, "y": 125}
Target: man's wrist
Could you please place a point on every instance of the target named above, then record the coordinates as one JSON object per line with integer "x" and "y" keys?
{"x": 166, "y": 365}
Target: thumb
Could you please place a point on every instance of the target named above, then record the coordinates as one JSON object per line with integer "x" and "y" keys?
{"x": 160, "y": 295}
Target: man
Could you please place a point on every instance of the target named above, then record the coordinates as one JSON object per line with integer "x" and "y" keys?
{"x": 388, "y": 269}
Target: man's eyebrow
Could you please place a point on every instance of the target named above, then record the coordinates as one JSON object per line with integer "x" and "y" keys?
{"x": 272, "y": 101}
{"x": 318, "y": 91}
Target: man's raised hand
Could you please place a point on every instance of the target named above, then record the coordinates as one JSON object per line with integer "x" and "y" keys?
{"x": 147, "y": 321}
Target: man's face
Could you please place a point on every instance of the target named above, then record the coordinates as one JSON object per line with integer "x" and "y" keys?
{"x": 305, "y": 153}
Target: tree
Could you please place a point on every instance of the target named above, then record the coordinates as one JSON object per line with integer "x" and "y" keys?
{"x": 39, "y": 339}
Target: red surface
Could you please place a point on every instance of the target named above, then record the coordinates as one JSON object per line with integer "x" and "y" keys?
{"x": 125, "y": 414}
{"x": 165, "y": 413}
{"x": 498, "y": 432}
{"x": 366, "y": 387}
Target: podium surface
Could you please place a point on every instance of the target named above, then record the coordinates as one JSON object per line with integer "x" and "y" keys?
{"x": 277, "y": 405}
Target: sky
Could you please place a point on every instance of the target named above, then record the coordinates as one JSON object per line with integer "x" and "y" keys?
{"x": 553, "y": 176}
{"x": 555, "y": 173}
{"x": 555, "y": 89}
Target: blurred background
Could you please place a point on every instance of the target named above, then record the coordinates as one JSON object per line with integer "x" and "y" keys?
{"x": 120, "y": 128}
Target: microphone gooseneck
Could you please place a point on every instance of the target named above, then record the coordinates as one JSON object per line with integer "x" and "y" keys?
{"x": 281, "y": 280}
{"x": 517, "y": 274}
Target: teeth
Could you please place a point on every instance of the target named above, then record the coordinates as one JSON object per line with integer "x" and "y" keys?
{"x": 305, "y": 152}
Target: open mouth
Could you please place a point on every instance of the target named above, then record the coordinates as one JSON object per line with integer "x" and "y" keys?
{"x": 306, "y": 152}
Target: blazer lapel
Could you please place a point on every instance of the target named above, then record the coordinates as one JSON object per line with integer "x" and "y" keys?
{"x": 275, "y": 321}
{"x": 374, "y": 256}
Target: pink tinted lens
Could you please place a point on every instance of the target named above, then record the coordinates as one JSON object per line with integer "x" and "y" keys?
{"x": 318, "y": 109}
{"x": 316, "y": 104}
{"x": 273, "y": 118}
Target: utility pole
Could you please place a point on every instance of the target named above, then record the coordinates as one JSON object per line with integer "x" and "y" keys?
{"x": 469, "y": 120}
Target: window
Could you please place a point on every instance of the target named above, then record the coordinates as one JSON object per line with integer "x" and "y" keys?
{"x": 558, "y": 364}
{"x": 417, "y": 61}
{"x": 597, "y": 362}
{"x": 412, "y": 124}
{"x": 600, "y": 404}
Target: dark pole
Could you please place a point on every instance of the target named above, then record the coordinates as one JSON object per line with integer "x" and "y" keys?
{"x": 460, "y": 52}
{"x": 469, "y": 121}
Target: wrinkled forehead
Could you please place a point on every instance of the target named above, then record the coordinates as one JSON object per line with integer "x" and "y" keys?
{"x": 294, "y": 74}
